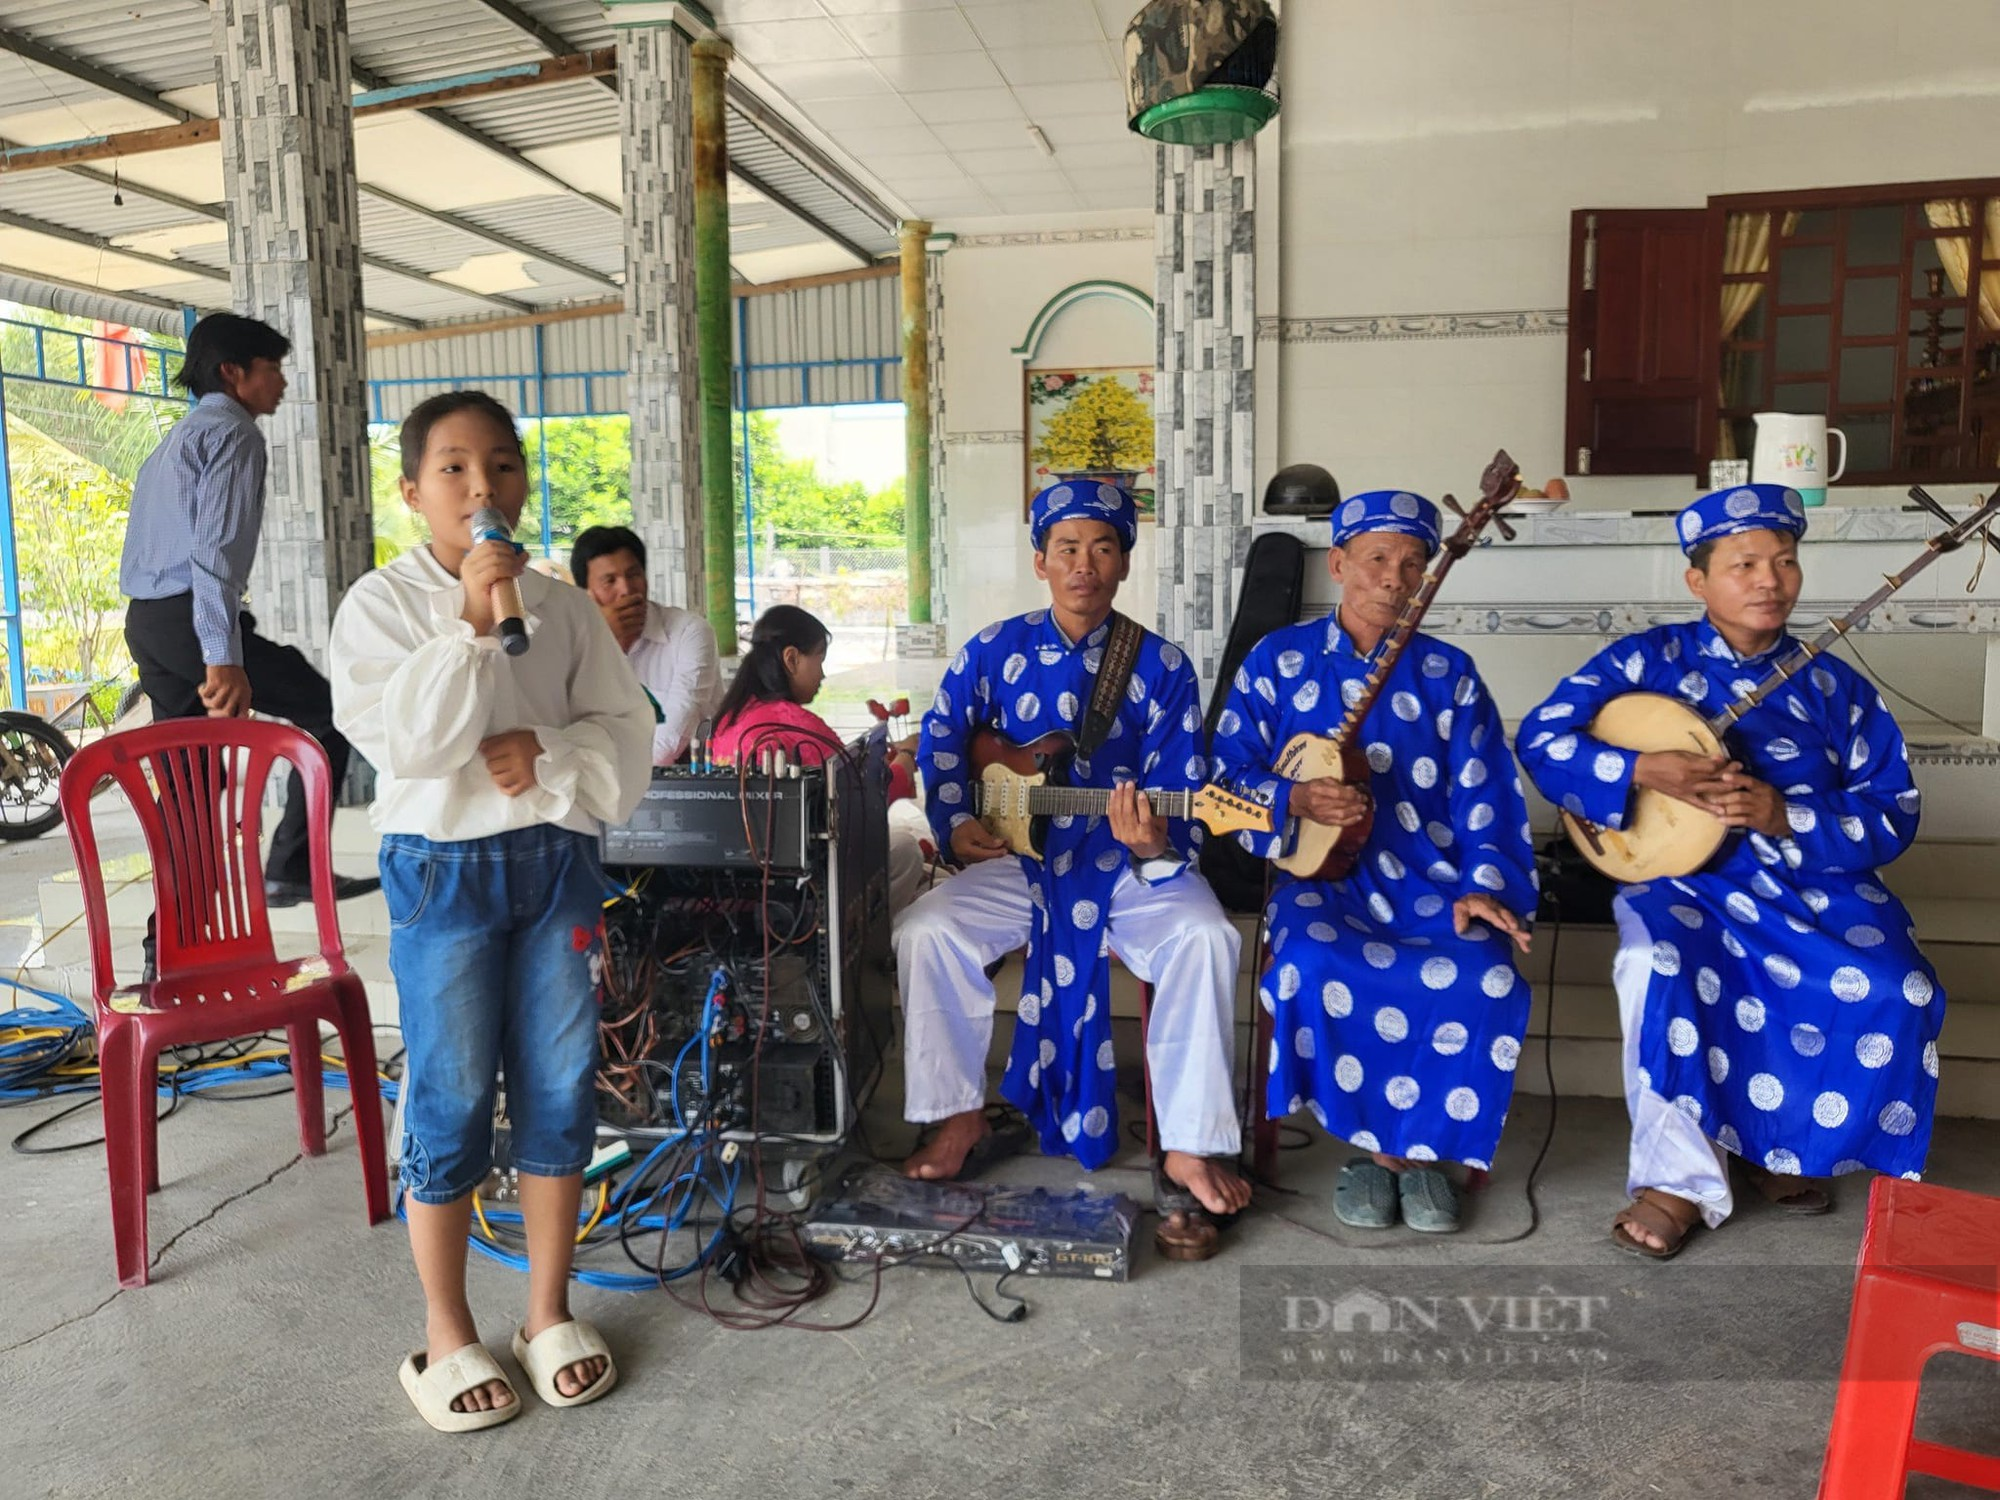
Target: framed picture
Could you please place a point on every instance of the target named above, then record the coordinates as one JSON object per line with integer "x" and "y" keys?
{"x": 1092, "y": 419}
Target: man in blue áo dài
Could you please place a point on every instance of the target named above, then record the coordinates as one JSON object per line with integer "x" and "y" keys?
{"x": 1774, "y": 1004}
{"x": 1119, "y": 883}
{"x": 1397, "y": 1009}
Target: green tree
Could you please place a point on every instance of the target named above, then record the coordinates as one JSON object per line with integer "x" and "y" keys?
{"x": 70, "y": 526}
{"x": 81, "y": 421}
{"x": 590, "y": 484}
{"x": 590, "y": 475}
{"x": 788, "y": 495}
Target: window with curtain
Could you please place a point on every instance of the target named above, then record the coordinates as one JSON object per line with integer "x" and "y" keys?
{"x": 1879, "y": 307}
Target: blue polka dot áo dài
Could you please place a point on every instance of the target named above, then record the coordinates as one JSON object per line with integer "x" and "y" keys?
{"x": 1024, "y": 678}
{"x": 1788, "y": 1011}
{"x": 1399, "y": 1034}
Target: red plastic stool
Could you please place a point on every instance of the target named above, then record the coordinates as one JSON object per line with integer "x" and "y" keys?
{"x": 1927, "y": 1282}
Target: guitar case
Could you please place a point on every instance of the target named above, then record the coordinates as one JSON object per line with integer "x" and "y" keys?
{"x": 1273, "y": 585}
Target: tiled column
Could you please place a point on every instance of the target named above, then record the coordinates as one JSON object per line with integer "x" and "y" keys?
{"x": 655, "y": 91}
{"x": 295, "y": 261}
{"x": 940, "y": 495}
{"x": 1204, "y": 406}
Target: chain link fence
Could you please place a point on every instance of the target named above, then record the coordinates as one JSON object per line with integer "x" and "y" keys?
{"x": 848, "y": 581}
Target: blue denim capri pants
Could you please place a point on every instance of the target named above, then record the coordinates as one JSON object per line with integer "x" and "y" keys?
{"x": 496, "y": 945}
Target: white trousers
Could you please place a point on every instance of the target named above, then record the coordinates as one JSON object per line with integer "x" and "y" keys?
{"x": 908, "y": 830}
{"x": 1669, "y": 1151}
{"x": 1173, "y": 936}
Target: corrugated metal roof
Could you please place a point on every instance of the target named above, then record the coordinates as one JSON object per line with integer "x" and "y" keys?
{"x": 544, "y": 117}
{"x": 64, "y": 198}
{"x": 579, "y": 21}
{"x": 158, "y": 44}
{"x": 164, "y": 45}
{"x": 753, "y": 150}
{"x": 408, "y": 40}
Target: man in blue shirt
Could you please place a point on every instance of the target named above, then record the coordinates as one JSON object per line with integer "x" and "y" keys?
{"x": 197, "y": 509}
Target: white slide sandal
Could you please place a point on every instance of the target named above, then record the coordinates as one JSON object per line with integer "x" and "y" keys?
{"x": 433, "y": 1387}
{"x": 556, "y": 1348}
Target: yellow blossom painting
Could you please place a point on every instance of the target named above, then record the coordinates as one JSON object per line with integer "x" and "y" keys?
{"x": 1091, "y": 419}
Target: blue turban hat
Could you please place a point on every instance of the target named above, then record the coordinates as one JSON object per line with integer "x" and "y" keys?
{"x": 1388, "y": 510}
{"x": 1084, "y": 500}
{"x": 1744, "y": 507}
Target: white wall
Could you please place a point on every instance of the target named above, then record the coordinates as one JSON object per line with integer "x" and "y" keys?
{"x": 991, "y": 296}
{"x": 1432, "y": 151}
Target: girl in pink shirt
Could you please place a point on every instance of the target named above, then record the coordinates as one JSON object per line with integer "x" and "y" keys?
{"x": 765, "y": 707}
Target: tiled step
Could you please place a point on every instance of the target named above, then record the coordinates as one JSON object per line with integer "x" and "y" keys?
{"x": 1946, "y": 867}
{"x": 1968, "y": 1088}
{"x": 1590, "y": 1013}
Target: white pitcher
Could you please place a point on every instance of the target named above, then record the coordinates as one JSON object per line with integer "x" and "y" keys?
{"x": 1791, "y": 450}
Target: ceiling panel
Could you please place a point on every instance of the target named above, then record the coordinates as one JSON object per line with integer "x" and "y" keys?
{"x": 1034, "y": 23}
{"x": 931, "y": 98}
{"x": 949, "y": 106}
{"x": 911, "y": 33}
{"x": 976, "y": 74}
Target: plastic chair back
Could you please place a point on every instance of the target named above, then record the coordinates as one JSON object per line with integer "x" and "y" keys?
{"x": 196, "y": 786}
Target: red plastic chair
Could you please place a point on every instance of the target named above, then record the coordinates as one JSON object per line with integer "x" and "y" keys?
{"x": 196, "y": 786}
{"x": 1927, "y": 1282}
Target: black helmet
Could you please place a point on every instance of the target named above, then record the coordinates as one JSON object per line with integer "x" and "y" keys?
{"x": 1301, "y": 490}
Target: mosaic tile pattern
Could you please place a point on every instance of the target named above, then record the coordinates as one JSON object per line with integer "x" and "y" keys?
{"x": 1049, "y": 237}
{"x": 940, "y": 494}
{"x": 1375, "y": 327}
{"x": 654, "y": 97}
{"x": 1205, "y": 325}
{"x": 295, "y": 261}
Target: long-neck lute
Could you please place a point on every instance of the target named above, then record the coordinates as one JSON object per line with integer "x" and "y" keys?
{"x": 1661, "y": 837}
{"x": 1316, "y": 851}
{"x": 1500, "y": 483}
{"x": 1798, "y": 660}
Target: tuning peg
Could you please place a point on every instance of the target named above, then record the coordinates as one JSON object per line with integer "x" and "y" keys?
{"x": 1923, "y": 497}
{"x": 1500, "y": 525}
{"x": 1451, "y": 504}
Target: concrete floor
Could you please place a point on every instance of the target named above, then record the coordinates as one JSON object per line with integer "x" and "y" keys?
{"x": 261, "y": 1361}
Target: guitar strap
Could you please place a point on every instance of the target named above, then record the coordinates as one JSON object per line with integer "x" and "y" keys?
{"x": 1114, "y": 676}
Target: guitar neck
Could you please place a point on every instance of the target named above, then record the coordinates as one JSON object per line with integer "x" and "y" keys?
{"x": 1092, "y": 802}
{"x": 1399, "y": 637}
{"x": 1797, "y": 661}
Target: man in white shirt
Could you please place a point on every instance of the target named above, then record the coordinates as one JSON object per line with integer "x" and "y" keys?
{"x": 671, "y": 650}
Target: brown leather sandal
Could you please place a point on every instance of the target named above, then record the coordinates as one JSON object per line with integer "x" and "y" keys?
{"x": 1658, "y": 1213}
{"x": 1803, "y": 1196}
{"x": 1187, "y": 1230}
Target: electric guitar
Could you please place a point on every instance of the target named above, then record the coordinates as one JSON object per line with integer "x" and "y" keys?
{"x": 1016, "y": 789}
{"x": 1317, "y": 851}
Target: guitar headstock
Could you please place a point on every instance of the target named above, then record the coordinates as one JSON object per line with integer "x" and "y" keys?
{"x": 1499, "y": 484}
{"x": 1223, "y": 811}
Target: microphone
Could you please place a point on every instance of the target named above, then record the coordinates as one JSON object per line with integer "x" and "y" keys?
{"x": 509, "y": 615}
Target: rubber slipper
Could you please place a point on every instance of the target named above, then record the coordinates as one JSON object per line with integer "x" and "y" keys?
{"x": 433, "y": 1387}
{"x": 557, "y": 1347}
{"x": 1429, "y": 1201}
{"x": 1364, "y": 1195}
